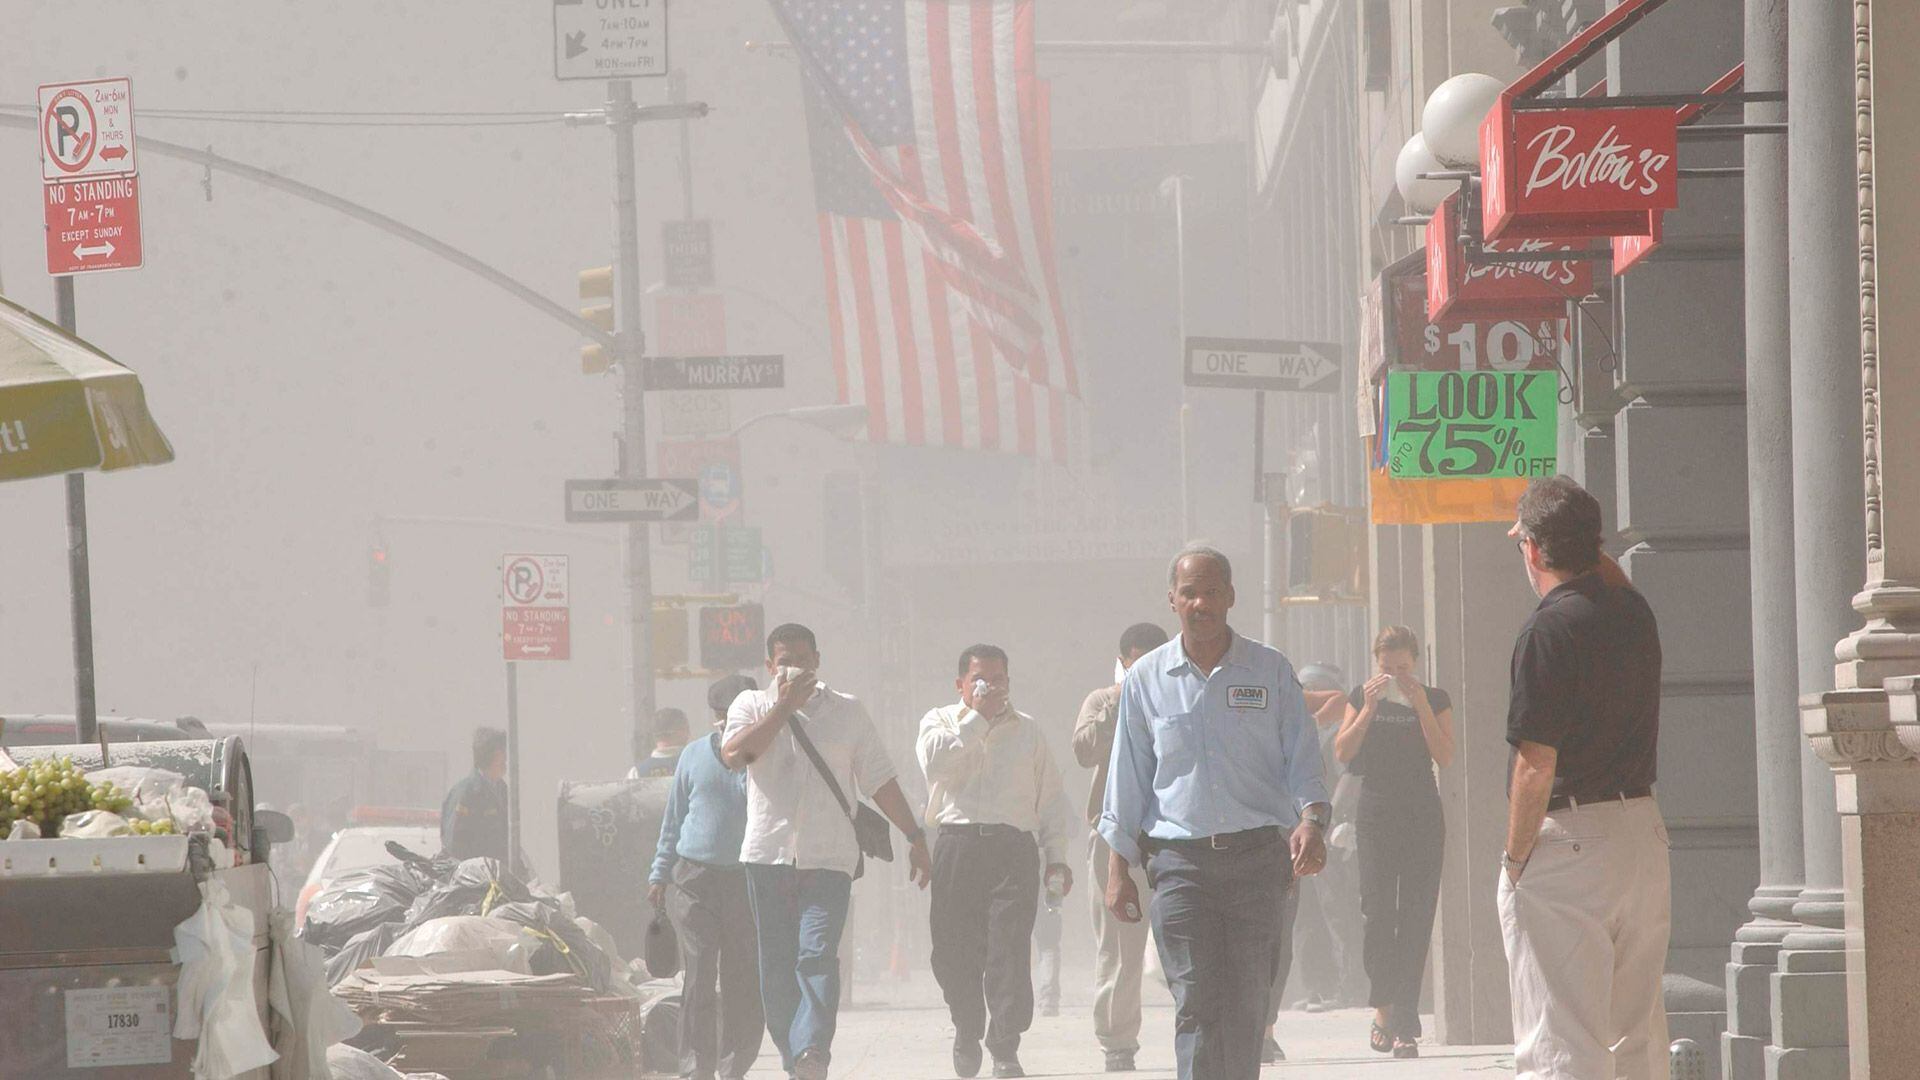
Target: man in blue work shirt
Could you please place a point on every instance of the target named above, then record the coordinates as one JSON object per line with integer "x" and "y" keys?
{"x": 1216, "y": 782}
{"x": 699, "y": 854}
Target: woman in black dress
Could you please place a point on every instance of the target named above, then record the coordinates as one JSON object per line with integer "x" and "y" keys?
{"x": 1395, "y": 731}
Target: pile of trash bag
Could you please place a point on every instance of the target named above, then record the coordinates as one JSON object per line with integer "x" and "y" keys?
{"x": 422, "y": 906}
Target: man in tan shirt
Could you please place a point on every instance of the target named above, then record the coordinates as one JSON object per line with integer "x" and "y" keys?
{"x": 1123, "y": 945}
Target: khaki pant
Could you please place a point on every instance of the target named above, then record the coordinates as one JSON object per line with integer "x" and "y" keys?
{"x": 1586, "y": 933}
{"x": 1123, "y": 949}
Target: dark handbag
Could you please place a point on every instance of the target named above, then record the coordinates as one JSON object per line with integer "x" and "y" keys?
{"x": 663, "y": 947}
{"x": 870, "y": 829}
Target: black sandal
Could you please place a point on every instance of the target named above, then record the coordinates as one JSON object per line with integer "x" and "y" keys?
{"x": 1380, "y": 1040}
{"x": 1404, "y": 1047}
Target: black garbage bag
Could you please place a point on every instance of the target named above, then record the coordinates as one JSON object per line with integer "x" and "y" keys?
{"x": 474, "y": 887}
{"x": 359, "y": 949}
{"x": 356, "y": 902}
{"x": 565, "y": 948}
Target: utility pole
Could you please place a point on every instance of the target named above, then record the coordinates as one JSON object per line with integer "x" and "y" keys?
{"x": 630, "y": 351}
{"x": 621, "y": 115}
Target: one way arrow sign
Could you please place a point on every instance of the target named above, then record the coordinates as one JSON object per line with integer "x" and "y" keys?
{"x": 1244, "y": 364}
{"x": 632, "y": 500}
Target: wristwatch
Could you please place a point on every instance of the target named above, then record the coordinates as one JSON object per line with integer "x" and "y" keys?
{"x": 1319, "y": 814}
{"x": 1511, "y": 865}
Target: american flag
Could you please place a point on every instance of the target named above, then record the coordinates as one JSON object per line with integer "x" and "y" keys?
{"x": 930, "y": 151}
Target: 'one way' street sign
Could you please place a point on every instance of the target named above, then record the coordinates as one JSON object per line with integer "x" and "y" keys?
{"x": 1242, "y": 364}
{"x": 632, "y": 500}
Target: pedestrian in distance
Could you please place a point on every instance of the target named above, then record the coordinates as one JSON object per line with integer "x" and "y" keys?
{"x": 698, "y": 880}
{"x": 1395, "y": 731}
{"x": 1584, "y": 900}
{"x": 473, "y": 817}
{"x": 809, "y": 751}
{"x": 671, "y": 732}
{"x": 998, "y": 810}
{"x": 1216, "y": 784}
{"x": 1325, "y": 705}
{"x": 1121, "y": 945}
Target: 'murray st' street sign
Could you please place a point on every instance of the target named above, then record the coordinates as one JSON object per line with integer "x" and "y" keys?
{"x": 1241, "y": 364}
{"x": 716, "y": 372}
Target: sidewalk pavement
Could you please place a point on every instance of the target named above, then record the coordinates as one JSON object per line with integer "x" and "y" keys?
{"x": 914, "y": 1041}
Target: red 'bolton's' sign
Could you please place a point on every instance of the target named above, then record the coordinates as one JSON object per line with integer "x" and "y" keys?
{"x": 1576, "y": 173}
{"x": 1503, "y": 290}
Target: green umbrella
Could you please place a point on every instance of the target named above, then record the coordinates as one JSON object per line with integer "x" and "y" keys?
{"x": 66, "y": 406}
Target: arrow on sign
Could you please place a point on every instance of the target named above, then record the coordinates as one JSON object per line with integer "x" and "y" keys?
{"x": 105, "y": 248}
{"x": 576, "y": 44}
{"x": 113, "y": 153}
{"x": 632, "y": 500}
{"x": 1245, "y": 364}
{"x": 540, "y": 649}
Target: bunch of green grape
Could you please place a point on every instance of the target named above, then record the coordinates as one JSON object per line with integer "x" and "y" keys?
{"x": 49, "y": 789}
{"x": 142, "y": 827}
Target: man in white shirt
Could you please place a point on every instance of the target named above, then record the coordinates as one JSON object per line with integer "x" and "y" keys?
{"x": 800, "y": 851}
{"x": 997, "y": 803}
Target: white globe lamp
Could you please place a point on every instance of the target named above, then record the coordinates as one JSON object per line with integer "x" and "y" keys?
{"x": 1421, "y": 196}
{"x": 1451, "y": 119}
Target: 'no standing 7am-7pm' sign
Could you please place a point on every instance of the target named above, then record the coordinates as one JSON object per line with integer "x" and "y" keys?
{"x": 1448, "y": 425}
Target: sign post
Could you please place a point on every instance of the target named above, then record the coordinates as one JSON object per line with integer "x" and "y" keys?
{"x": 90, "y": 176}
{"x": 534, "y": 612}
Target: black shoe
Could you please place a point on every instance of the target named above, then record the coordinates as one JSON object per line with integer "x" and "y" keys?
{"x": 810, "y": 1065}
{"x": 1405, "y": 1048}
{"x": 1004, "y": 1067}
{"x": 966, "y": 1057}
{"x": 1119, "y": 1061}
{"x": 1270, "y": 1052}
{"x": 1317, "y": 1005}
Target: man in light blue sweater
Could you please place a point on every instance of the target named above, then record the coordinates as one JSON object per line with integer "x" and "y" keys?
{"x": 697, "y": 877}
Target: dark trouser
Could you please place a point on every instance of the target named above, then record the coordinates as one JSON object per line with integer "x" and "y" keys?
{"x": 1216, "y": 918}
{"x": 1399, "y": 889}
{"x": 720, "y": 1014}
{"x": 986, "y": 891}
{"x": 799, "y": 916}
{"x": 1283, "y": 949}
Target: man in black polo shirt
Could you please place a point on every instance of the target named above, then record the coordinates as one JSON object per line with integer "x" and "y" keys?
{"x": 1584, "y": 903}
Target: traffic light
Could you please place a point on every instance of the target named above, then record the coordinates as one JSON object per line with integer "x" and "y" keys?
{"x": 596, "y": 283}
{"x": 379, "y": 588}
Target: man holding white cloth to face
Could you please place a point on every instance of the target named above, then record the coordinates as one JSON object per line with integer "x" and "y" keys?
{"x": 997, "y": 807}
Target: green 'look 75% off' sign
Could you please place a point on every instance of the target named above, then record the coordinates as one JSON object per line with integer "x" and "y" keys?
{"x": 1462, "y": 425}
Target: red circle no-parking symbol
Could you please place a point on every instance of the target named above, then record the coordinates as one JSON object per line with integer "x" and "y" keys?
{"x": 68, "y": 131}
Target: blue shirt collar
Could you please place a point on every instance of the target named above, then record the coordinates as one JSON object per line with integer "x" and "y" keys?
{"x": 1236, "y": 655}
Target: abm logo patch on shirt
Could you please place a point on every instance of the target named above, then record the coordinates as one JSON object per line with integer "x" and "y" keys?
{"x": 1246, "y": 697}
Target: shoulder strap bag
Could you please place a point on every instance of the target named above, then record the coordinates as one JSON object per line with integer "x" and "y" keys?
{"x": 870, "y": 829}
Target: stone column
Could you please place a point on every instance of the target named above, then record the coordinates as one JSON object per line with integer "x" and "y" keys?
{"x": 1477, "y": 598}
{"x": 1777, "y": 746}
{"x": 1809, "y": 1033}
{"x": 1868, "y": 728}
